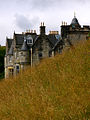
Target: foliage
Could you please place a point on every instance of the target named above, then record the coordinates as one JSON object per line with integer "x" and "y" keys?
{"x": 57, "y": 89}
{"x": 2, "y": 54}
{"x": 89, "y": 34}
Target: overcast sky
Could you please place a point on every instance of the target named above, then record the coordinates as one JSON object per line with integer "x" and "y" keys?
{"x": 20, "y": 15}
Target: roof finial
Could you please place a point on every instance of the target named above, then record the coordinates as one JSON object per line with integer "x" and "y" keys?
{"x": 14, "y": 31}
{"x": 74, "y": 14}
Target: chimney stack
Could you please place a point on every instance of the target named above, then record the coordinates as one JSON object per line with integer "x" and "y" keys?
{"x": 42, "y": 29}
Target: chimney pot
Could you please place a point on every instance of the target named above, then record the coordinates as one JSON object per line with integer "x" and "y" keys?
{"x": 41, "y": 23}
{"x": 34, "y": 31}
{"x": 29, "y": 30}
{"x": 64, "y": 23}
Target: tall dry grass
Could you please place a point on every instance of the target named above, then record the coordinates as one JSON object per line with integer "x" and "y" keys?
{"x": 56, "y": 89}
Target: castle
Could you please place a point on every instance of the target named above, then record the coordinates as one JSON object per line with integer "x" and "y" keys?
{"x": 29, "y": 48}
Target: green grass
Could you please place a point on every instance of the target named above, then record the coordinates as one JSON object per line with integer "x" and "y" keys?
{"x": 56, "y": 89}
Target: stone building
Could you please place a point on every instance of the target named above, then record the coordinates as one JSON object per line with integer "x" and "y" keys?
{"x": 74, "y": 32}
{"x": 29, "y": 48}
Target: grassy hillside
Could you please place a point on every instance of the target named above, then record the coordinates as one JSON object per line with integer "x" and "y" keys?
{"x": 57, "y": 89}
{"x": 2, "y": 54}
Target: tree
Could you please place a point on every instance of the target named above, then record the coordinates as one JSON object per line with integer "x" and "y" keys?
{"x": 2, "y": 54}
{"x": 89, "y": 34}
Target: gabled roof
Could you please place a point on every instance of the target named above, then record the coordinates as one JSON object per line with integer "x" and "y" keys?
{"x": 60, "y": 42}
{"x": 10, "y": 51}
{"x": 53, "y": 38}
{"x": 33, "y": 36}
{"x": 19, "y": 39}
{"x": 35, "y": 40}
{"x": 24, "y": 46}
{"x": 9, "y": 42}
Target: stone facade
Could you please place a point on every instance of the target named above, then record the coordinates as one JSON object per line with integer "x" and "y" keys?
{"x": 73, "y": 33}
{"x": 29, "y": 48}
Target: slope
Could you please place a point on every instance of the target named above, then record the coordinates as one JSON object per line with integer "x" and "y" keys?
{"x": 56, "y": 89}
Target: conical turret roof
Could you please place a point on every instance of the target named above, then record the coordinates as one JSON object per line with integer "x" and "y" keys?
{"x": 75, "y": 22}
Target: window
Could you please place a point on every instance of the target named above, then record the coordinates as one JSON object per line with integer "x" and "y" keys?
{"x": 21, "y": 53}
{"x": 17, "y": 69}
{"x": 29, "y": 40}
{"x": 11, "y": 71}
{"x": 40, "y": 55}
{"x": 40, "y": 48}
{"x": 50, "y": 53}
{"x": 73, "y": 26}
{"x": 60, "y": 49}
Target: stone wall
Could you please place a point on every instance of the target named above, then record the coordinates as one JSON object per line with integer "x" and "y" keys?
{"x": 41, "y": 50}
{"x": 76, "y": 37}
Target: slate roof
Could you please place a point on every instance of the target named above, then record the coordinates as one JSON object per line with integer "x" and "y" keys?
{"x": 24, "y": 46}
{"x": 19, "y": 39}
{"x": 9, "y": 41}
{"x": 10, "y": 51}
{"x": 61, "y": 42}
{"x": 54, "y": 39}
{"x": 75, "y": 22}
{"x": 34, "y": 37}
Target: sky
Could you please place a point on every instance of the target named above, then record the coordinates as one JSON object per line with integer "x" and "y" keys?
{"x": 22, "y": 15}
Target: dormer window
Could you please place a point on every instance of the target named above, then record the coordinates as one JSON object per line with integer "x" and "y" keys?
{"x": 29, "y": 40}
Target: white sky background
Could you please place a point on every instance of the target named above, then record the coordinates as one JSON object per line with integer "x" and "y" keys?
{"x": 20, "y": 15}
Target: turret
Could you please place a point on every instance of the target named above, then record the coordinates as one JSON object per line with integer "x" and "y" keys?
{"x": 75, "y": 23}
